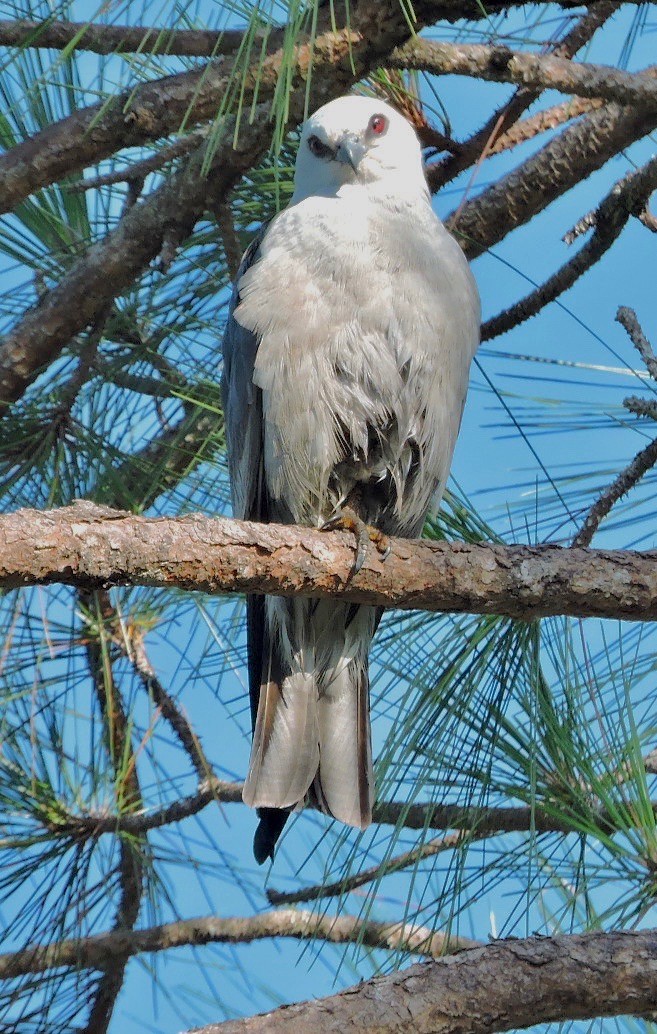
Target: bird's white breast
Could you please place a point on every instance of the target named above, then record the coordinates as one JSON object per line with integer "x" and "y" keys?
{"x": 365, "y": 310}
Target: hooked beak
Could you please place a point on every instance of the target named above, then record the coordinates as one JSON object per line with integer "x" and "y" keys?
{"x": 350, "y": 151}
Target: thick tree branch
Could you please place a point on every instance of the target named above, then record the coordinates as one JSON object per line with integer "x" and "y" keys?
{"x": 95, "y": 952}
{"x": 506, "y": 984}
{"x": 96, "y": 547}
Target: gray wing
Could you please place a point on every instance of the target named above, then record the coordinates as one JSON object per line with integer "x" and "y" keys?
{"x": 242, "y": 405}
{"x": 243, "y": 422}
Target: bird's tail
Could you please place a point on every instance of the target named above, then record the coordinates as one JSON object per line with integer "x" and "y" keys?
{"x": 312, "y": 728}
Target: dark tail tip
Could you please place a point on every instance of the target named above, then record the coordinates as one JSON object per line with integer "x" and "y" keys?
{"x": 269, "y": 829}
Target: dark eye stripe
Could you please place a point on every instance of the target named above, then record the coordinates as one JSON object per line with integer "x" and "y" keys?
{"x": 319, "y": 149}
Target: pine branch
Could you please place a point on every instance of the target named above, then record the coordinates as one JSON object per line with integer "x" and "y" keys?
{"x": 128, "y": 794}
{"x": 564, "y": 161}
{"x": 627, "y": 198}
{"x": 497, "y": 987}
{"x": 94, "y": 952}
{"x": 537, "y": 71}
{"x": 92, "y": 547}
{"x": 126, "y": 39}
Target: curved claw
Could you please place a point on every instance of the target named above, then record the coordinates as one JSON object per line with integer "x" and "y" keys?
{"x": 348, "y": 520}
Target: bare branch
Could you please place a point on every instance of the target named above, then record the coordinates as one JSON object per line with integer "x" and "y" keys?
{"x": 140, "y": 169}
{"x": 93, "y": 546}
{"x": 375, "y": 872}
{"x": 565, "y": 160}
{"x": 124, "y": 39}
{"x": 628, "y": 320}
{"x": 170, "y": 711}
{"x": 128, "y": 794}
{"x": 644, "y": 460}
{"x": 94, "y": 952}
{"x": 627, "y": 198}
{"x": 537, "y": 71}
{"x": 506, "y": 984}
{"x": 629, "y": 477}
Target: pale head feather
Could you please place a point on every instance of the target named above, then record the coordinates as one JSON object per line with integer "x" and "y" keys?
{"x": 389, "y": 162}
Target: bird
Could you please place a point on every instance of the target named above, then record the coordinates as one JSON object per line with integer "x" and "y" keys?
{"x": 351, "y": 328}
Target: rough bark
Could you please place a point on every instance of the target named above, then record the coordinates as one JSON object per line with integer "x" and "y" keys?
{"x": 567, "y": 159}
{"x": 95, "y": 547}
{"x": 506, "y": 984}
{"x": 121, "y": 39}
{"x": 500, "y": 64}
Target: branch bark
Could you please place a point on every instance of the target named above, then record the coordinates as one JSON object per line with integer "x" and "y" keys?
{"x": 94, "y": 547}
{"x": 98, "y": 951}
{"x": 124, "y": 39}
{"x": 567, "y": 159}
{"x": 627, "y": 198}
{"x": 506, "y": 984}
{"x": 537, "y": 71}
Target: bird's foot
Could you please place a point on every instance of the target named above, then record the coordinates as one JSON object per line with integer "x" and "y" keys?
{"x": 348, "y": 520}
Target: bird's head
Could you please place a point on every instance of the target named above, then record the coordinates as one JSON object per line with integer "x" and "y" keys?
{"x": 358, "y": 140}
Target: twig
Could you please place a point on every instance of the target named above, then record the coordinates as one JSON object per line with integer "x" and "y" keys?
{"x": 626, "y": 198}
{"x": 542, "y": 122}
{"x": 229, "y": 238}
{"x": 620, "y": 486}
{"x": 140, "y": 169}
{"x": 642, "y": 462}
{"x": 129, "y": 797}
{"x": 375, "y": 872}
{"x": 169, "y": 711}
{"x": 641, "y": 406}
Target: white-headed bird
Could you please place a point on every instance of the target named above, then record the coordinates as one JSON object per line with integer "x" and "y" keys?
{"x": 351, "y": 330}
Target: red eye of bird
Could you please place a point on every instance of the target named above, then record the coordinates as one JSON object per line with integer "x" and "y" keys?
{"x": 378, "y": 124}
